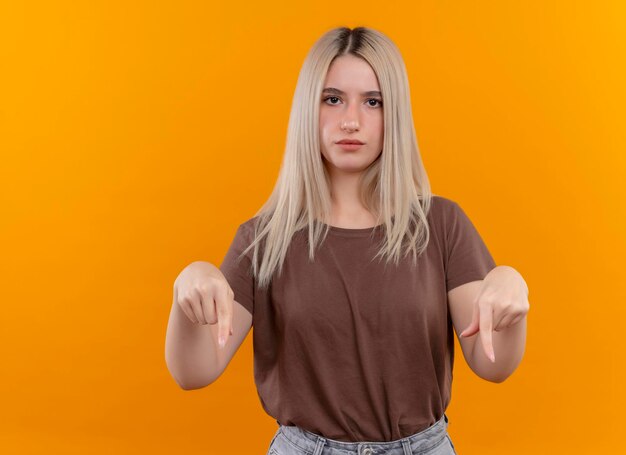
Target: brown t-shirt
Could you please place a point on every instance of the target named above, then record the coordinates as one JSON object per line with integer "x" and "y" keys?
{"x": 350, "y": 348}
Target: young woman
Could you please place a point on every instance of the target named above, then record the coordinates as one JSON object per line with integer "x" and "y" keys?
{"x": 353, "y": 274}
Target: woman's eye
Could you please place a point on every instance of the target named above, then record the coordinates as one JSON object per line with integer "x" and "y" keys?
{"x": 380, "y": 103}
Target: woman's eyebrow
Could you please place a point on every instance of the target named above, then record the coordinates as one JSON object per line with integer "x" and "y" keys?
{"x": 336, "y": 91}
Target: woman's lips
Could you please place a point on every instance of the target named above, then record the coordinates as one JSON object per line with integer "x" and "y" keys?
{"x": 349, "y": 146}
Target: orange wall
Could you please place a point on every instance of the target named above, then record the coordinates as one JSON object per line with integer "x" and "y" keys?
{"x": 136, "y": 136}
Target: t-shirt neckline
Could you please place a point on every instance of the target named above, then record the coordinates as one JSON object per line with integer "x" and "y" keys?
{"x": 349, "y": 232}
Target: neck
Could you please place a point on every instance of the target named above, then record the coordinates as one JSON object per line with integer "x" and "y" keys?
{"x": 347, "y": 209}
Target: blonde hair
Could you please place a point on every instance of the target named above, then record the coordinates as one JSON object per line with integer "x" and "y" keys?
{"x": 394, "y": 188}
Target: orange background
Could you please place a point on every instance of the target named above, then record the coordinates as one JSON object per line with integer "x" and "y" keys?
{"x": 136, "y": 136}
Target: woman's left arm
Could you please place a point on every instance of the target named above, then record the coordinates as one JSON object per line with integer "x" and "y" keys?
{"x": 499, "y": 315}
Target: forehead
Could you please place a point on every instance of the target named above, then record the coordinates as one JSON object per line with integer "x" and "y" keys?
{"x": 351, "y": 74}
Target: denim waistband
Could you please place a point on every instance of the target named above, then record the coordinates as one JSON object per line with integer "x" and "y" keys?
{"x": 419, "y": 442}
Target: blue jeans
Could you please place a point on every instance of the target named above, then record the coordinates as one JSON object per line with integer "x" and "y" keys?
{"x": 293, "y": 440}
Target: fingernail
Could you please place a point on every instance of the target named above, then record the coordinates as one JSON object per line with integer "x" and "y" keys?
{"x": 222, "y": 341}
{"x": 493, "y": 357}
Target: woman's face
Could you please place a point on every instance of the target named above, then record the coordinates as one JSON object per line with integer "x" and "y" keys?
{"x": 349, "y": 110}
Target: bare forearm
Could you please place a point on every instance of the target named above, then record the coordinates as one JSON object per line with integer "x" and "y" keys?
{"x": 509, "y": 346}
{"x": 190, "y": 351}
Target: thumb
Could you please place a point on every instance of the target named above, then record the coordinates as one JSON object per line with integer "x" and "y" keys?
{"x": 474, "y": 325}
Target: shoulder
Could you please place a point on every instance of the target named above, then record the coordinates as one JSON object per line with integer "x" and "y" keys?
{"x": 442, "y": 208}
{"x": 442, "y": 201}
{"x": 248, "y": 227}
{"x": 247, "y": 232}
{"x": 244, "y": 234}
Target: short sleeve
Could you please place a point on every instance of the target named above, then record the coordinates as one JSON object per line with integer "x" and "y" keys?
{"x": 237, "y": 270}
{"x": 468, "y": 258}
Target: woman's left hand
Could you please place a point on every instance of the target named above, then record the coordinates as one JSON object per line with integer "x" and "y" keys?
{"x": 501, "y": 303}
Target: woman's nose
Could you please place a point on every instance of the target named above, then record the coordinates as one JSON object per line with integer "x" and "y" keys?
{"x": 351, "y": 118}
{"x": 350, "y": 126}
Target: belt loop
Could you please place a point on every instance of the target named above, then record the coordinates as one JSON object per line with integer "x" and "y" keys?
{"x": 319, "y": 446}
{"x": 406, "y": 446}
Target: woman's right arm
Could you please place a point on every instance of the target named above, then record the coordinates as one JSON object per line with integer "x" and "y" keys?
{"x": 201, "y": 311}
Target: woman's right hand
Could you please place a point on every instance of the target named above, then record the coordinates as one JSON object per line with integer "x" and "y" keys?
{"x": 205, "y": 297}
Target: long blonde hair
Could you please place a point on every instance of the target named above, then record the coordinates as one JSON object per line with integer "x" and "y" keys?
{"x": 395, "y": 187}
